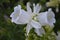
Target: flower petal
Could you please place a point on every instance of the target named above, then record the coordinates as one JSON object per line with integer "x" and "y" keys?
{"x": 42, "y": 18}
{"x": 51, "y": 17}
{"x": 35, "y": 24}
{"x": 50, "y": 13}
{"x": 36, "y": 8}
{"x": 16, "y": 13}
{"x": 29, "y": 10}
{"x": 17, "y": 8}
{"x": 51, "y": 22}
{"x": 40, "y": 31}
{"x": 28, "y": 28}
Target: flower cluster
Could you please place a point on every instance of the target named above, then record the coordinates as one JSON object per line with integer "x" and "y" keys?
{"x": 33, "y": 18}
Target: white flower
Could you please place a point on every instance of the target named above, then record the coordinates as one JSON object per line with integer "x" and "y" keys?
{"x": 47, "y": 18}
{"x": 20, "y": 16}
{"x": 33, "y": 21}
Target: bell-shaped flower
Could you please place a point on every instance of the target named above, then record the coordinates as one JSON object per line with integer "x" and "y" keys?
{"x": 20, "y": 16}
{"x": 47, "y": 18}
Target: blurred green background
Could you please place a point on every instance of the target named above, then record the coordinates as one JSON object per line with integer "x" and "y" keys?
{"x": 11, "y": 31}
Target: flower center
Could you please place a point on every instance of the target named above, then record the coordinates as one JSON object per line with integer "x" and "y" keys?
{"x": 34, "y": 17}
